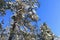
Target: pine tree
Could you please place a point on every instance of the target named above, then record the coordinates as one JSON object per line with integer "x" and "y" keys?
{"x": 23, "y": 16}
{"x": 46, "y": 33}
{"x": 23, "y": 21}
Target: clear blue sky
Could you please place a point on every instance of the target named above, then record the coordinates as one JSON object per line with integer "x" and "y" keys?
{"x": 49, "y": 12}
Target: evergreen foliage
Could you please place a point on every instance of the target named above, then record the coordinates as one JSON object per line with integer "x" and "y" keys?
{"x": 24, "y": 15}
